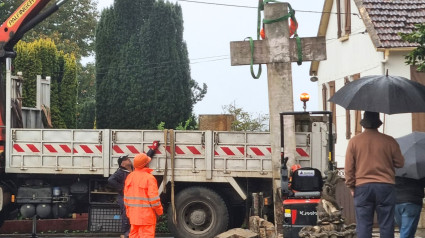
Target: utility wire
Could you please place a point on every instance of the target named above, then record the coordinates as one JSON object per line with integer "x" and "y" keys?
{"x": 241, "y": 6}
{"x": 217, "y": 4}
{"x": 208, "y": 59}
{"x": 165, "y": 64}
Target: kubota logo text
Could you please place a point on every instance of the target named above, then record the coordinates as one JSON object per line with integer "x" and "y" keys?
{"x": 20, "y": 12}
{"x": 304, "y": 213}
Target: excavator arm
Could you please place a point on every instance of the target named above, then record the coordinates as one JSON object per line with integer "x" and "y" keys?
{"x": 26, "y": 17}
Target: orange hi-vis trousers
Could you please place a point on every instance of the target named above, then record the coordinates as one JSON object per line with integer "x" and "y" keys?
{"x": 142, "y": 231}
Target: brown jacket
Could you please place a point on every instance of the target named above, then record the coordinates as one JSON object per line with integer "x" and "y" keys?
{"x": 372, "y": 158}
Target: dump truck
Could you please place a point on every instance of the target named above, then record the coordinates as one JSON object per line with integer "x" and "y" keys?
{"x": 206, "y": 178}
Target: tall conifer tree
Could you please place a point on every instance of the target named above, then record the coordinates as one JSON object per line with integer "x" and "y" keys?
{"x": 142, "y": 66}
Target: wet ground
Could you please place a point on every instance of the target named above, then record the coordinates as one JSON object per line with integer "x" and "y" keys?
{"x": 420, "y": 233}
{"x": 91, "y": 235}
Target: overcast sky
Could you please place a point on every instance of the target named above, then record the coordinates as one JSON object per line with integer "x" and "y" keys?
{"x": 208, "y": 30}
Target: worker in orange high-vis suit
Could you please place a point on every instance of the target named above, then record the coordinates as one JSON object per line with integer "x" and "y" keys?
{"x": 141, "y": 199}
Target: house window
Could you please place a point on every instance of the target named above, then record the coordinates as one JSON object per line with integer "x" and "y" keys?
{"x": 344, "y": 17}
{"x": 418, "y": 119}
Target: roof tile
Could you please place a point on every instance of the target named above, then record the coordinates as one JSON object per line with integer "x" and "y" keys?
{"x": 390, "y": 17}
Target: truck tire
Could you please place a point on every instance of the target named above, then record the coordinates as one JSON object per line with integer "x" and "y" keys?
{"x": 200, "y": 213}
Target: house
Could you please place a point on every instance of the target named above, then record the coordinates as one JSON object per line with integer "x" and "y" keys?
{"x": 362, "y": 39}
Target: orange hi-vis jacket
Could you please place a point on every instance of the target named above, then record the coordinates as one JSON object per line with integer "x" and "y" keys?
{"x": 141, "y": 197}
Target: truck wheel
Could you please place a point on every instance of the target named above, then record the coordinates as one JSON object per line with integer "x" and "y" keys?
{"x": 200, "y": 212}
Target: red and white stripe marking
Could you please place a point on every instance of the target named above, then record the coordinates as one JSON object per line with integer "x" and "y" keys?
{"x": 302, "y": 152}
{"x": 194, "y": 150}
{"x": 179, "y": 149}
{"x": 240, "y": 151}
{"x": 58, "y": 149}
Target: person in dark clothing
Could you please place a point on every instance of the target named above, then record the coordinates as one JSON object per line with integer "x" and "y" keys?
{"x": 409, "y": 199}
{"x": 117, "y": 181}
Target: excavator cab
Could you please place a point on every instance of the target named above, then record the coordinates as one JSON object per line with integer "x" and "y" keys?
{"x": 301, "y": 189}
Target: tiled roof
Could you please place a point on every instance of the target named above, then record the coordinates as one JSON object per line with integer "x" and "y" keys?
{"x": 389, "y": 17}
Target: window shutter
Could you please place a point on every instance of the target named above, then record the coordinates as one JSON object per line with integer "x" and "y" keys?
{"x": 418, "y": 119}
{"x": 347, "y": 17}
{"x": 338, "y": 14}
{"x": 324, "y": 97}
{"x": 333, "y": 105}
{"x": 358, "y": 114}
{"x": 347, "y": 116}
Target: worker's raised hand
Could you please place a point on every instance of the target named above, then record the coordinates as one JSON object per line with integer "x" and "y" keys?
{"x": 155, "y": 145}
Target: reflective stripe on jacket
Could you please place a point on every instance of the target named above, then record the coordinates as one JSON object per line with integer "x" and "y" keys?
{"x": 141, "y": 197}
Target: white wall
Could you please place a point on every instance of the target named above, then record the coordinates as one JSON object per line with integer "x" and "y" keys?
{"x": 397, "y": 125}
{"x": 358, "y": 55}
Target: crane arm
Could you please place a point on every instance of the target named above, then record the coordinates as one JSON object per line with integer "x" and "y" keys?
{"x": 26, "y": 17}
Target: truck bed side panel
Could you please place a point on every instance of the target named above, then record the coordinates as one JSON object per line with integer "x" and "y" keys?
{"x": 56, "y": 151}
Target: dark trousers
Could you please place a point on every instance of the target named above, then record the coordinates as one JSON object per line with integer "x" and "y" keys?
{"x": 125, "y": 228}
{"x": 371, "y": 197}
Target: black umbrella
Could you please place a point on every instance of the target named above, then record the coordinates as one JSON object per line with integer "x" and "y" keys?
{"x": 413, "y": 149}
{"x": 382, "y": 93}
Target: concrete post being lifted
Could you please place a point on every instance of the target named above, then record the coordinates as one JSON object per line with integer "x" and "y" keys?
{"x": 278, "y": 51}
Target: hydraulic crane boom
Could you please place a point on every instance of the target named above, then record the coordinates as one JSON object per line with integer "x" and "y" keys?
{"x": 21, "y": 21}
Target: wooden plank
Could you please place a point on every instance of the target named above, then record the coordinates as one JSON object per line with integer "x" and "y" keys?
{"x": 313, "y": 48}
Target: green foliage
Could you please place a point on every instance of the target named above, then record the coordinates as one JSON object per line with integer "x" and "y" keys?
{"x": 161, "y": 225}
{"x": 30, "y": 65}
{"x": 41, "y": 57}
{"x": 68, "y": 91}
{"x": 184, "y": 127}
{"x": 417, "y": 56}
{"x": 148, "y": 76}
{"x": 86, "y": 82}
{"x": 86, "y": 115}
{"x": 161, "y": 126}
{"x": 86, "y": 105}
{"x": 189, "y": 124}
{"x": 198, "y": 93}
{"x": 57, "y": 119}
{"x": 245, "y": 121}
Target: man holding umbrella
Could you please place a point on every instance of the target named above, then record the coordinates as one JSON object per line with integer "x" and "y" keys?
{"x": 370, "y": 163}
